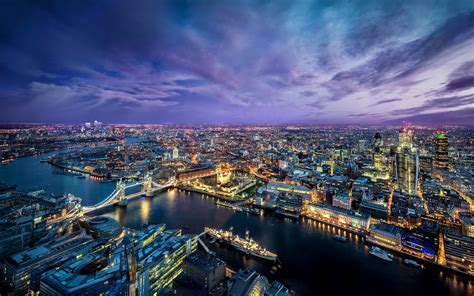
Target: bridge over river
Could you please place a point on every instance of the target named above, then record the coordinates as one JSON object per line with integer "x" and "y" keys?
{"x": 118, "y": 196}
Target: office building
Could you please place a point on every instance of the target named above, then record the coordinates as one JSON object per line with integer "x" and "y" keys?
{"x": 426, "y": 164}
{"x": 19, "y": 266}
{"x": 385, "y": 234}
{"x": 405, "y": 138}
{"x": 407, "y": 170}
{"x": 205, "y": 270}
{"x": 342, "y": 200}
{"x": 161, "y": 259}
{"x": 293, "y": 189}
{"x": 459, "y": 250}
{"x": 441, "y": 151}
{"x": 467, "y": 223}
{"x": 376, "y": 210}
{"x": 362, "y": 145}
{"x": 423, "y": 240}
{"x": 340, "y": 216}
{"x": 105, "y": 269}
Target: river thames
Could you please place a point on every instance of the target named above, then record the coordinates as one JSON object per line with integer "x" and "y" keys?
{"x": 312, "y": 262}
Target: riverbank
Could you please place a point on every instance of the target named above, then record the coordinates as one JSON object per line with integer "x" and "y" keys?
{"x": 425, "y": 262}
{"x": 312, "y": 260}
{"x": 214, "y": 195}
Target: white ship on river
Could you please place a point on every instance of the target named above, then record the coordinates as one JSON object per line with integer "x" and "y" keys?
{"x": 245, "y": 245}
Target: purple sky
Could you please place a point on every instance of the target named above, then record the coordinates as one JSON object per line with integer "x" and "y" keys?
{"x": 232, "y": 61}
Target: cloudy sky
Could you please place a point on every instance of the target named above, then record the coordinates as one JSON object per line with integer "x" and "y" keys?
{"x": 231, "y": 61}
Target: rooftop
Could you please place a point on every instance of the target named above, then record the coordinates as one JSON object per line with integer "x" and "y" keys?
{"x": 204, "y": 261}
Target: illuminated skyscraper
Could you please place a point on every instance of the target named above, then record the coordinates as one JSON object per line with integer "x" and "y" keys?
{"x": 407, "y": 163}
{"x": 407, "y": 170}
{"x": 405, "y": 138}
{"x": 441, "y": 152}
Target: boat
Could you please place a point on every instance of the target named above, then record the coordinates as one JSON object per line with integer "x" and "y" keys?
{"x": 410, "y": 262}
{"x": 379, "y": 253}
{"x": 339, "y": 238}
{"x": 245, "y": 245}
{"x": 250, "y": 210}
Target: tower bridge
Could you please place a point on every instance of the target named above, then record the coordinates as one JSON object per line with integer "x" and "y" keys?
{"x": 119, "y": 196}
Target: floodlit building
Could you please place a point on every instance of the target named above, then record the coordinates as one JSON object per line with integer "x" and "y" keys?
{"x": 441, "y": 152}
{"x": 294, "y": 189}
{"x": 459, "y": 250}
{"x": 407, "y": 170}
{"x": 343, "y": 217}
{"x": 175, "y": 153}
{"x": 386, "y": 234}
{"x": 161, "y": 259}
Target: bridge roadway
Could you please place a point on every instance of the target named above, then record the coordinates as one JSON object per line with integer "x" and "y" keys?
{"x": 113, "y": 197}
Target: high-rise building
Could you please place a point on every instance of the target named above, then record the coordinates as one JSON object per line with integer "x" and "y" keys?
{"x": 362, "y": 145}
{"x": 407, "y": 163}
{"x": 441, "y": 152}
{"x": 161, "y": 261}
{"x": 378, "y": 142}
{"x": 426, "y": 164}
{"x": 379, "y": 161}
{"x": 407, "y": 170}
{"x": 405, "y": 138}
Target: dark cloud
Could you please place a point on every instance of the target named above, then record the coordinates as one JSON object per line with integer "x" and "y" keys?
{"x": 460, "y": 83}
{"x": 386, "y": 101}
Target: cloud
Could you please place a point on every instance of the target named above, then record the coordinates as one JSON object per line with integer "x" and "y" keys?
{"x": 233, "y": 61}
{"x": 464, "y": 117}
{"x": 386, "y": 101}
{"x": 460, "y": 83}
{"x": 441, "y": 103}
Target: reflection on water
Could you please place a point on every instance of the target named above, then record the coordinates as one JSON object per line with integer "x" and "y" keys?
{"x": 312, "y": 261}
{"x": 145, "y": 209}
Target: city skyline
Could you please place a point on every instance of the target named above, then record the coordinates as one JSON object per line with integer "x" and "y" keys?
{"x": 223, "y": 62}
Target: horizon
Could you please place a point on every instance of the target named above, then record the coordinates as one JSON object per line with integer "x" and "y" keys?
{"x": 237, "y": 62}
{"x": 269, "y": 125}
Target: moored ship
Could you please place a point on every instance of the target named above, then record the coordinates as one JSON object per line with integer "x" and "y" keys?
{"x": 410, "y": 262}
{"x": 379, "y": 253}
{"x": 245, "y": 245}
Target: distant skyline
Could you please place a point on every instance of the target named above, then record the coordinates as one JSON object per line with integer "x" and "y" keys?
{"x": 237, "y": 62}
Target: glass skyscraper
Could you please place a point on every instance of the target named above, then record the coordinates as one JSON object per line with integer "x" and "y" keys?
{"x": 441, "y": 152}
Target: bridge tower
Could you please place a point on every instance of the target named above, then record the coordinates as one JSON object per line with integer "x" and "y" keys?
{"x": 122, "y": 200}
{"x": 148, "y": 185}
